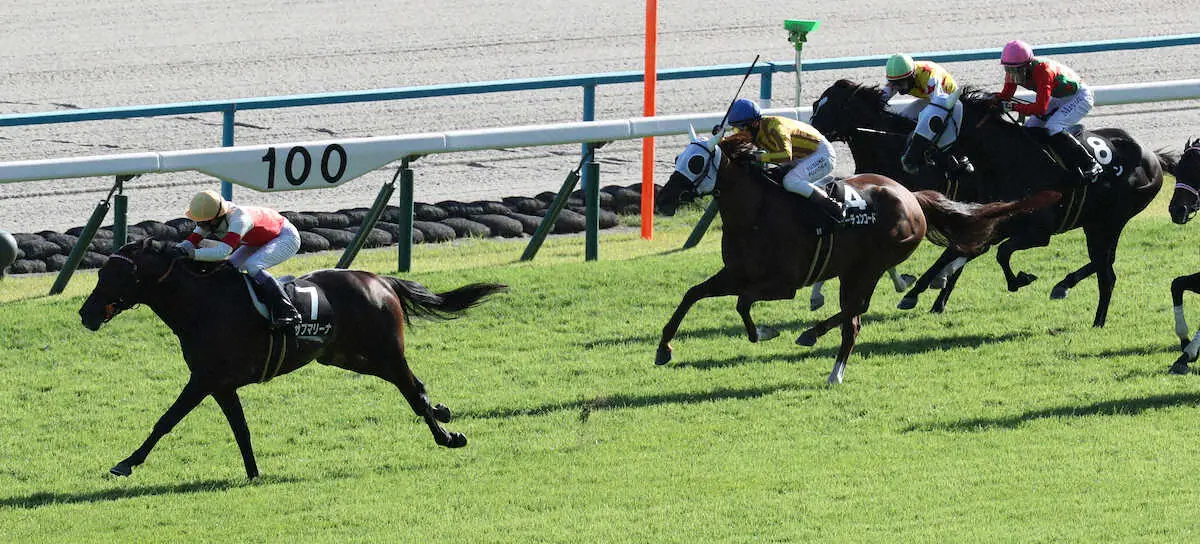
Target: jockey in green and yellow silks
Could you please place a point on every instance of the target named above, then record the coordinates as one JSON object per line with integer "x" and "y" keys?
{"x": 937, "y": 110}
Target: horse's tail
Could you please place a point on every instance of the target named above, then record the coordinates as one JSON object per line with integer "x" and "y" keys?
{"x": 419, "y": 301}
{"x": 1168, "y": 161}
{"x": 968, "y": 227}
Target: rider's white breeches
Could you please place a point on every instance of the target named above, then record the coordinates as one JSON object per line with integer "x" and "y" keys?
{"x": 811, "y": 170}
{"x": 251, "y": 259}
{"x": 1065, "y": 112}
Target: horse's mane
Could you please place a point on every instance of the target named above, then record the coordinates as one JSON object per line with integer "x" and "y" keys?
{"x": 738, "y": 146}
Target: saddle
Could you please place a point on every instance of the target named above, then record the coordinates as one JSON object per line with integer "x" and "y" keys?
{"x": 309, "y": 299}
{"x": 857, "y": 211}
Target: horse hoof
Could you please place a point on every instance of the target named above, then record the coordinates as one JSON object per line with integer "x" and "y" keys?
{"x": 807, "y": 339}
{"x": 766, "y": 333}
{"x": 907, "y": 280}
{"x": 816, "y": 303}
{"x": 125, "y": 470}
{"x": 907, "y": 303}
{"x": 442, "y": 413}
{"x": 664, "y": 355}
{"x": 457, "y": 440}
{"x": 1022, "y": 279}
{"x": 939, "y": 282}
{"x": 1059, "y": 293}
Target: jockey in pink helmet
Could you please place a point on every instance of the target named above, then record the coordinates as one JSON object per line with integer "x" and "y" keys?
{"x": 253, "y": 239}
{"x": 1062, "y": 101}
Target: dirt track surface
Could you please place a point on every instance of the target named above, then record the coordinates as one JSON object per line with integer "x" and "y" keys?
{"x": 58, "y": 56}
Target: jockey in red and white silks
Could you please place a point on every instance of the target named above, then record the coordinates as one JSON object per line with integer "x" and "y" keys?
{"x": 1063, "y": 100}
{"x": 251, "y": 238}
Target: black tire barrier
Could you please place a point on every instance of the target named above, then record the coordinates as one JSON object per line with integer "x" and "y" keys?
{"x": 310, "y": 242}
{"x": 160, "y": 231}
{"x": 465, "y": 228}
{"x": 27, "y": 266}
{"x": 491, "y": 207}
{"x": 529, "y": 223}
{"x": 355, "y": 215}
{"x": 101, "y": 245}
{"x": 375, "y": 238}
{"x": 622, "y": 198}
{"x": 435, "y": 232}
{"x": 606, "y": 199}
{"x": 54, "y": 263}
{"x": 425, "y": 212}
{"x": 39, "y": 248}
{"x": 527, "y": 206}
{"x": 605, "y": 218}
{"x": 302, "y": 221}
{"x": 569, "y": 222}
{"x": 338, "y": 239}
{"x": 63, "y": 241}
{"x": 91, "y": 259}
{"x": 500, "y": 225}
{"x": 322, "y": 231}
{"x": 329, "y": 220}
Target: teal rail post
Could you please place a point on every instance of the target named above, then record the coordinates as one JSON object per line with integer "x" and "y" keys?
{"x": 227, "y": 141}
{"x": 764, "y": 89}
{"x": 406, "y": 215}
{"x": 702, "y": 226}
{"x": 560, "y": 200}
{"x": 85, "y": 239}
{"x": 591, "y": 191}
{"x": 364, "y": 230}
{"x": 120, "y": 213}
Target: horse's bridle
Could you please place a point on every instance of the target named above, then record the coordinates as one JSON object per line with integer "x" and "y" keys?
{"x": 1189, "y": 188}
{"x": 121, "y": 304}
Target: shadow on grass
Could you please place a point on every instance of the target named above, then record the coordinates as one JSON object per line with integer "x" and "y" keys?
{"x": 833, "y": 340}
{"x": 735, "y": 329}
{"x": 1123, "y": 407}
{"x": 611, "y": 402}
{"x": 47, "y": 498}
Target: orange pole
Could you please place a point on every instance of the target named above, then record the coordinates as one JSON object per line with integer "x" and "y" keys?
{"x": 648, "y": 110}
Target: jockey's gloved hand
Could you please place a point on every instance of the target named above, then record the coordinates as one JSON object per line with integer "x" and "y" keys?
{"x": 1007, "y": 105}
{"x": 185, "y": 251}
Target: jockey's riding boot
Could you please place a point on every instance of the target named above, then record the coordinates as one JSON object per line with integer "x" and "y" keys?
{"x": 1076, "y": 158}
{"x": 830, "y": 207}
{"x": 283, "y": 314}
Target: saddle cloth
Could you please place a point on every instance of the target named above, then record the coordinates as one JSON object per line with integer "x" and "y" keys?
{"x": 309, "y": 299}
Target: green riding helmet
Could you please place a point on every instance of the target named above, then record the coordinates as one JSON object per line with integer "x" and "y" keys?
{"x": 899, "y": 66}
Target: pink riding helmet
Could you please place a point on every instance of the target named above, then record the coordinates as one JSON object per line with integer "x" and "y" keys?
{"x": 1016, "y": 53}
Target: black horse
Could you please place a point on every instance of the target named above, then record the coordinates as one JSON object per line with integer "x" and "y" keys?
{"x": 1185, "y": 201}
{"x": 769, "y": 252}
{"x": 227, "y": 344}
{"x": 1010, "y": 162}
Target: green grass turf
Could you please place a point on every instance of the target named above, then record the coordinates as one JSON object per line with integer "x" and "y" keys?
{"x": 1007, "y": 418}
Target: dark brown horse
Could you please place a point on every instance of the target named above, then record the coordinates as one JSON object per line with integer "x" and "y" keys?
{"x": 227, "y": 344}
{"x": 1185, "y": 201}
{"x": 769, "y": 252}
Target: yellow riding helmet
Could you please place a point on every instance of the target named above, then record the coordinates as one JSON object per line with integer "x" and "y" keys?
{"x": 206, "y": 206}
{"x": 899, "y": 66}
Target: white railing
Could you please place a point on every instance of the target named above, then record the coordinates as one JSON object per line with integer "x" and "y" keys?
{"x": 328, "y": 163}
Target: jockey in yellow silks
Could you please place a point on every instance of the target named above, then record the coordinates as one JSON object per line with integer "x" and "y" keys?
{"x": 788, "y": 141}
{"x": 937, "y": 111}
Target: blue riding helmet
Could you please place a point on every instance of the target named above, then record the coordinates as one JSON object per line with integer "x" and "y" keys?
{"x": 744, "y": 112}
